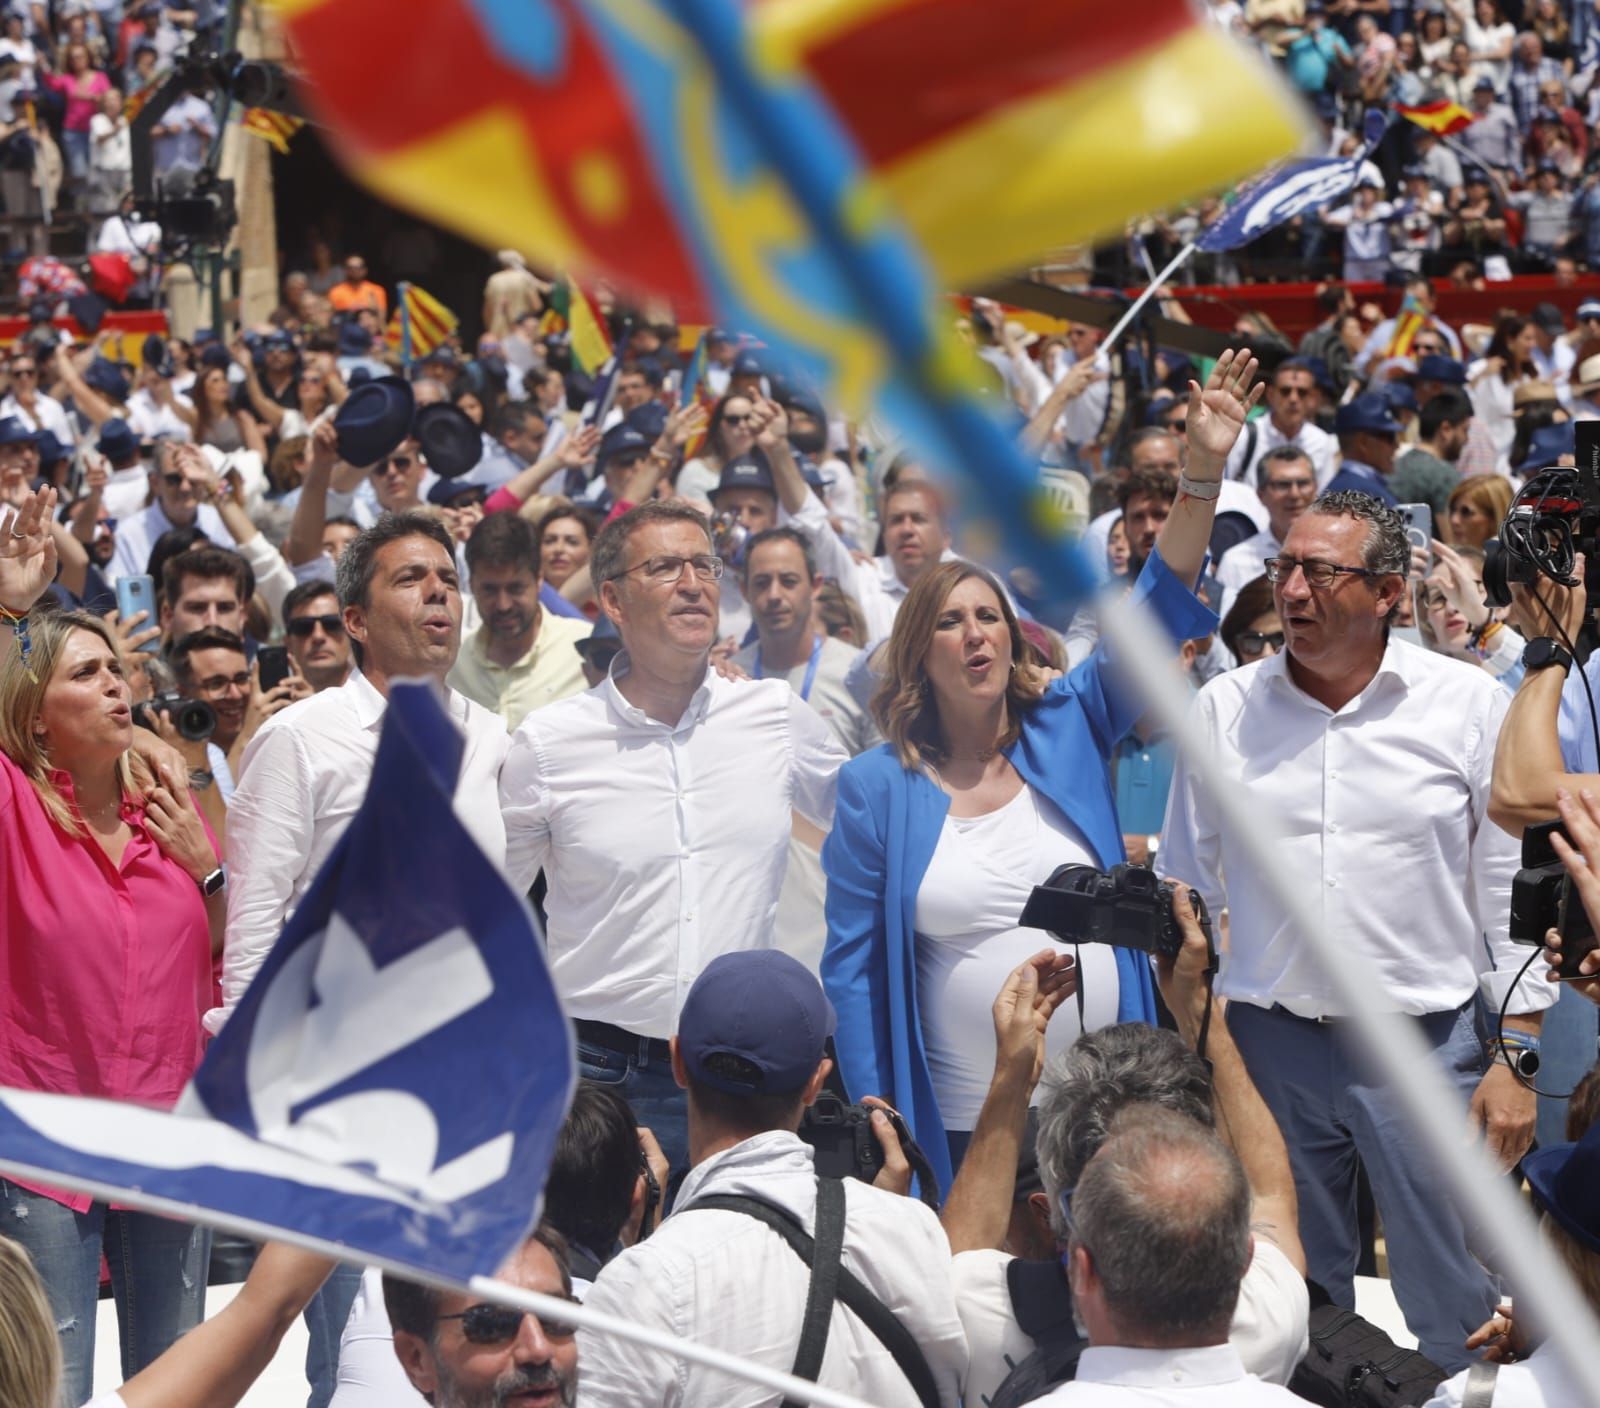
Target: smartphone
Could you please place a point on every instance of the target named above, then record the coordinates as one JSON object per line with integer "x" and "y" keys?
{"x": 272, "y": 664}
{"x": 136, "y": 594}
{"x": 1419, "y": 529}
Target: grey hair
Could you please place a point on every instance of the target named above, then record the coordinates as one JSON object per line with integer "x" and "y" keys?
{"x": 1164, "y": 1212}
{"x": 1387, "y": 548}
{"x": 610, "y": 547}
{"x": 1284, "y": 454}
{"x": 1090, "y": 1084}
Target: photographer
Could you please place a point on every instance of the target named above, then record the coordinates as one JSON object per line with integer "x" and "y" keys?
{"x": 1012, "y": 1307}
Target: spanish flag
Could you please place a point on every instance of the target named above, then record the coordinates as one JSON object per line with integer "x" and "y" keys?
{"x": 274, "y": 127}
{"x": 430, "y": 322}
{"x": 1443, "y": 118}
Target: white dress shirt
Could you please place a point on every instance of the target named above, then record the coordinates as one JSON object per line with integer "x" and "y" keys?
{"x": 1539, "y": 1381}
{"x": 137, "y": 535}
{"x": 1212, "y": 1377}
{"x": 151, "y": 419}
{"x": 664, "y": 844}
{"x": 1380, "y": 817}
{"x": 302, "y": 778}
{"x": 1322, "y": 449}
{"x": 48, "y": 414}
{"x": 1268, "y": 1329}
{"x": 725, "y": 1280}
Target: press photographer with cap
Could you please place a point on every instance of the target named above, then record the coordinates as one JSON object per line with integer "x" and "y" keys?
{"x": 749, "y": 1051}
{"x": 1368, "y": 438}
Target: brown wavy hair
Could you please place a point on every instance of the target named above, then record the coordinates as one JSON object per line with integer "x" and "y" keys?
{"x": 904, "y": 705}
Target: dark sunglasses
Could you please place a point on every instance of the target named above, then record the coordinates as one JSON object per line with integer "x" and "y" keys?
{"x": 495, "y": 1324}
{"x": 173, "y": 481}
{"x": 735, "y": 420}
{"x": 1254, "y": 642}
{"x": 302, "y": 626}
{"x": 24, "y": 371}
{"x": 400, "y": 462}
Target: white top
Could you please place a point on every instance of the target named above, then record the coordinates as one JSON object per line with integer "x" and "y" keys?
{"x": 1540, "y": 1381}
{"x": 1243, "y": 563}
{"x": 370, "y": 1375}
{"x": 135, "y": 537}
{"x": 1379, "y": 814}
{"x": 48, "y": 414}
{"x": 1268, "y": 1330}
{"x": 1494, "y": 407}
{"x": 303, "y": 777}
{"x": 1322, "y": 448}
{"x": 149, "y": 419}
{"x": 127, "y": 493}
{"x": 725, "y": 1280}
{"x": 664, "y": 844}
{"x": 107, "y": 1400}
{"x": 111, "y": 144}
{"x": 1182, "y": 1378}
{"x": 968, "y": 940}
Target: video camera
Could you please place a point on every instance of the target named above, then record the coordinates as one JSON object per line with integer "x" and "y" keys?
{"x": 1127, "y": 907}
{"x": 1542, "y": 899}
{"x": 193, "y": 718}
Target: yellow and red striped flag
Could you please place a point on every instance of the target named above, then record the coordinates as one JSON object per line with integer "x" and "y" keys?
{"x": 274, "y": 127}
{"x": 591, "y": 343}
{"x": 431, "y": 322}
{"x": 1443, "y": 118}
{"x": 1409, "y": 321}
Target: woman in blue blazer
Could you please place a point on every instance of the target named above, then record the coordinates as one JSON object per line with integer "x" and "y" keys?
{"x": 993, "y": 774}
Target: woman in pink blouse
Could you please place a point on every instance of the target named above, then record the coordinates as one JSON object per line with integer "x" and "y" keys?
{"x": 81, "y": 85}
{"x": 111, "y": 902}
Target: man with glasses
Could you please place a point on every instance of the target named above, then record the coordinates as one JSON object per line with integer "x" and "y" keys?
{"x": 1371, "y": 760}
{"x": 1287, "y": 483}
{"x": 180, "y": 486}
{"x": 1291, "y": 397}
{"x": 659, "y": 806}
{"x": 314, "y": 635}
{"x": 30, "y": 405}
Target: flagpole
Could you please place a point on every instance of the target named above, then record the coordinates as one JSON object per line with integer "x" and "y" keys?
{"x": 1177, "y": 261}
{"x": 402, "y": 290}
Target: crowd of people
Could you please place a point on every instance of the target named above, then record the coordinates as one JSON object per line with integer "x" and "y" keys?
{"x": 780, "y": 751}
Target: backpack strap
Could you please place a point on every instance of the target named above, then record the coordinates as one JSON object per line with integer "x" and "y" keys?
{"x": 1479, "y": 1391}
{"x": 871, "y": 1311}
{"x": 825, "y": 1266}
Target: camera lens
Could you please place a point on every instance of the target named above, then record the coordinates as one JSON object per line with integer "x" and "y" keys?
{"x": 195, "y": 719}
{"x": 1496, "y": 573}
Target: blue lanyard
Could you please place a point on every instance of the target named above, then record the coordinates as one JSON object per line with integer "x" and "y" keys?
{"x": 811, "y": 668}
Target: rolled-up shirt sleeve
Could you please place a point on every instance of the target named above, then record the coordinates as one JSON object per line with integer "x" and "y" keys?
{"x": 525, "y": 805}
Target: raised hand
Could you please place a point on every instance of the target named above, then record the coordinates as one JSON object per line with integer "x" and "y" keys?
{"x": 27, "y": 551}
{"x": 1218, "y": 412}
{"x": 769, "y": 423}
{"x": 578, "y": 449}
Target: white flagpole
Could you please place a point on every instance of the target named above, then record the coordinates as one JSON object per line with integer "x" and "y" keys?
{"x": 1177, "y": 261}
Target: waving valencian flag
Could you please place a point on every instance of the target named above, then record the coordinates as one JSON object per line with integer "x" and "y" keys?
{"x": 391, "y": 1085}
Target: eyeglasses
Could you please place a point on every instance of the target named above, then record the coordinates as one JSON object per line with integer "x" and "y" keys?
{"x": 217, "y": 683}
{"x": 1317, "y": 574}
{"x": 1254, "y": 643}
{"x": 495, "y": 1324}
{"x": 660, "y": 571}
{"x": 302, "y": 626}
{"x": 1290, "y": 486}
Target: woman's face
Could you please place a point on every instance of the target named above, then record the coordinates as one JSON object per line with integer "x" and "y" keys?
{"x": 313, "y": 392}
{"x": 1470, "y": 524}
{"x": 1487, "y": 14}
{"x": 78, "y": 58}
{"x": 1261, "y": 638}
{"x": 1117, "y": 549}
{"x": 216, "y": 386}
{"x": 1450, "y": 627}
{"x": 472, "y": 406}
{"x": 736, "y": 433}
{"x": 563, "y": 549}
{"x": 969, "y": 658}
{"x": 84, "y": 717}
{"x": 1523, "y": 343}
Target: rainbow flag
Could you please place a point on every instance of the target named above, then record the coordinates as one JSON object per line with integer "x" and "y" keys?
{"x": 430, "y": 322}
{"x": 1443, "y": 118}
{"x": 275, "y": 127}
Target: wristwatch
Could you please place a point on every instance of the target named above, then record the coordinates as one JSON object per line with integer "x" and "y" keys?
{"x": 200, "y": 779}
{"x": 213, "y": 882}
{"x": 1542, "y": 652}
{"x": 1524, "y": 1060}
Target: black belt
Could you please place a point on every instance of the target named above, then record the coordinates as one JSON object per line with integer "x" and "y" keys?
{"x": 629, "y": 1044}
{"x": 1278, "y": 1009}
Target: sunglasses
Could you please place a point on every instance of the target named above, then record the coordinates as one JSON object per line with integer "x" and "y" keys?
{"x": 302, "y": 626}
{"x": 24, "y": 371}
{"x": 173, "y": 481}
{"x": 735, "y": 420}
{"x": 1254, "y": 642}
{"x": 495, "y": 1324}
{"x": 400, "y": 462}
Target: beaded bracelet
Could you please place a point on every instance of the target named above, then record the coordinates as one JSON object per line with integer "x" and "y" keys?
{"x": 19, "y": 627}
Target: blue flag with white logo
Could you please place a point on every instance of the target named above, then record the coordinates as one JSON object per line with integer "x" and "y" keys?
{"x": 392, "y": 1083}
{"x": 1294, "y": 189}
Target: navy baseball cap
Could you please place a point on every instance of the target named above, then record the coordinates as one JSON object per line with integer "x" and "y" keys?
{"x": 1589, "y": 308}
{"x": 1547, "y": 445}
{"x": 1565, "y": 1180}
{"x": 117, "y": 441}
{"x": 1399, "y": 395}
{"x": 747, "y": 471}
{"x": 797, "y": 398}
{"x": 762, "y": 1007}
{"x": 601, "y": 643}
{"x": 1437, "y": 367}
{"x": 447, "y": 491}
{"x": 1482, "y": 83}
{"x": 14, "y": 432}
{"x": 622, "y": 439}
{"x": 1369, "y": 412}
{"x": 745, "y": 365}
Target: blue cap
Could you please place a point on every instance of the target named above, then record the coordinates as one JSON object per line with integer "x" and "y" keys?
{"x": 1399, "y": 395}
{"x": 354, "y": 340}
{"x": 104, "y": 377}
{"x": 1547, "y": 445}
{"x": 762, "y": 1007}
{"x": 374, "y": 418}
{"x": 117, "y": 441}
{"x": 447, "y": 491}
{"x": 797, "y": 398}
{"x": 14, "y": 432}
{"x": 51, "y": 450}
{"x": 280, "y": 339}
{"x": 745, "y": 365}
{"x": 649, "y": 419}
{"x": 605, "y": 635}
{"x": 746, "y": 471}
{"x": 1370, "y": 412}
{"x": 1565, "y": 1180}
{"x": 622, "y": 439}
{"x": 1437, "y": 367}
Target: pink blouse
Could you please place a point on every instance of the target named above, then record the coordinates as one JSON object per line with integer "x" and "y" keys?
{"x": 82, "y": 104}
{"x": 104, "y": 970}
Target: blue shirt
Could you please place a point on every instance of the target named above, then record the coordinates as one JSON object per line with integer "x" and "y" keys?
{"x": 1353, "y": 476}
{"x": 1310, "y": 58}
{"x": 1143, "y": 777}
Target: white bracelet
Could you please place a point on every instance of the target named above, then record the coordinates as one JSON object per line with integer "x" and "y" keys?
{"x": 1199, "y": 489}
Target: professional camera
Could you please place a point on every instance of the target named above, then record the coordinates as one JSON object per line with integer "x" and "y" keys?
{"x": 844, "y": 1145}
{"x": 1127, "y": 907}
{"x": 1542, "y": 899}
{"x": 193, "y": 718}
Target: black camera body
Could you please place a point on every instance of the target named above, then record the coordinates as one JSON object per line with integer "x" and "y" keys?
{"x": 841, "y": 1137}
{"x": 1127, "y": 907}
{"x": 1542, "y": 899}
{"x": 193, "y": 718}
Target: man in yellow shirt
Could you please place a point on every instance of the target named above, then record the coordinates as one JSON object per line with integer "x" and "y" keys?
{"x": 521, "y": 657}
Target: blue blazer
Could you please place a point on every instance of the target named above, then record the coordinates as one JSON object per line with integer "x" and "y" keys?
{"x": 886, "y": 825}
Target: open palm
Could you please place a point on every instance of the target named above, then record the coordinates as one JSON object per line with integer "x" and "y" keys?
{"x": 27, "y": 552}
{"x": 1217, "y": 414}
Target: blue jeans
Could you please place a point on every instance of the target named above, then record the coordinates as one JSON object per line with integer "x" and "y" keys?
{"x": 1333, "y": 1112}
{"x": 325, "y": 1321}
{"x": 158, "y": 1276}
{"x": 77, "y": 154}
{"x": 659, "y": 1103}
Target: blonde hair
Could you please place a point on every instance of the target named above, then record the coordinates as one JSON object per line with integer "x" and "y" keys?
{"x": 22, "y": 697}
{"x": 1488, "y": 493}
{"x": 30, "y": 1354}
{"x": 904, "y": 705}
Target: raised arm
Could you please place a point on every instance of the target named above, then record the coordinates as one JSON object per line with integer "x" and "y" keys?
{"x": 304, "y": 543}
{"x": 93, "y": 405}
{"x": 270, "y": 412}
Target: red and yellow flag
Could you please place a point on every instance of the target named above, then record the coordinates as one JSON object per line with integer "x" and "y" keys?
{"x": 1408, "y": 322}
{"x": 1443, "y": 118}
{"x": 591, "y": 343}
{"x": 431, "y": 322}
{"x": 274, "y": 127}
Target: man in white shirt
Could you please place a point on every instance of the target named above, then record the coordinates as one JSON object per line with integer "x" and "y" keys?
{"x": 1160, "y": 1240}
{"x": 658, "y": 805}
{"x": 1288, "y": 421}
{"x": 183, "y": 136}
{"x": 1084, "y": 418}
{"x": 305, "y": 773}
{"x": 179, "y": 484}
{"x": 29, "y": 404}
{"x": 1286, "y": 484}
{"x": 749, "y": 1051}
{"x": 156, "y": 411}
{"x": 1372, "y": 761}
